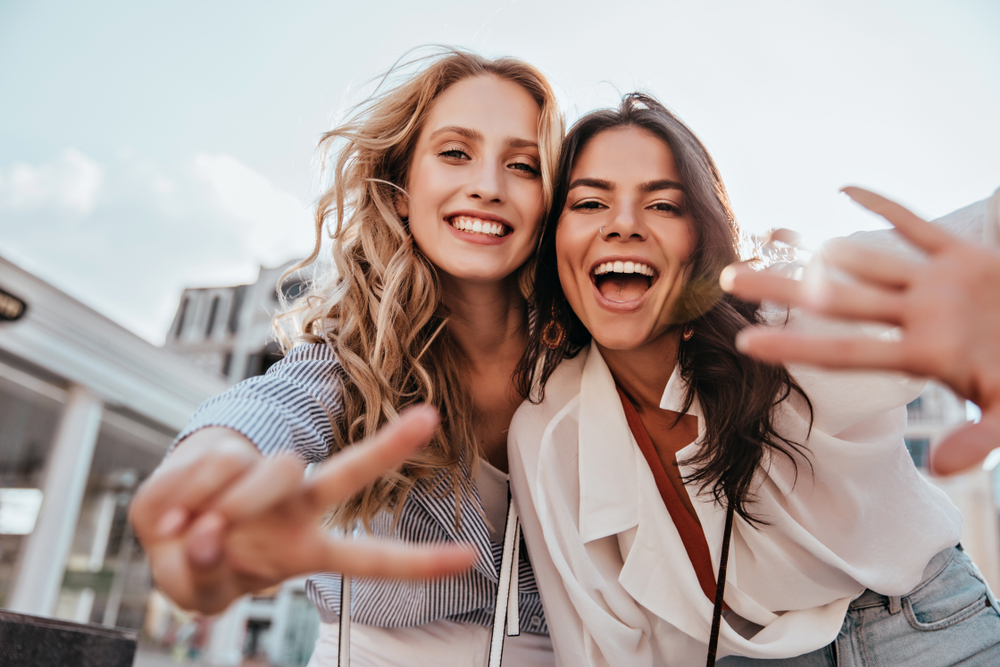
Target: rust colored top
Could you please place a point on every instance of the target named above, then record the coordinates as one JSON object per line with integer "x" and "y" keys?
{"x": 687, "y": 525}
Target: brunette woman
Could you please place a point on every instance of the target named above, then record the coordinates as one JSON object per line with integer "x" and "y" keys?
{"x": 680, "y": 500}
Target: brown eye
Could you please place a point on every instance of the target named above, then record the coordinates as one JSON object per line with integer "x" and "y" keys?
{"x": 454, "y": 154}
{"x": 525, "y": 167}
{"x": 666, "y": 207}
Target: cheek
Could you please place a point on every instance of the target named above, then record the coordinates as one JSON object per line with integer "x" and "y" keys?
{"x": 527, "y": 199}
{"x": 568, "y": 258}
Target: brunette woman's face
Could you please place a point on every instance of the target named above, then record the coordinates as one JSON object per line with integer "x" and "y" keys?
{"x": 475, "y": 189}
{"x": 624, "y": 286}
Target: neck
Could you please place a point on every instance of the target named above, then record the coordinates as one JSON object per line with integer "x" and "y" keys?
{"x": 488, "y": 320}
{"x": 643, "y": 372}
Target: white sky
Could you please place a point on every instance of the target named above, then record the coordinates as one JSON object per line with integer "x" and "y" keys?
{"x": 148, "y": 147}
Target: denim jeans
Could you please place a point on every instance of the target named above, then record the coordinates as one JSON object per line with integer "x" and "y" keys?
{"x": 950, "y": 618}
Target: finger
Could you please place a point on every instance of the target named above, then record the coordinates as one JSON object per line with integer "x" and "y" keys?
{"x": 914, "y": 228}
{"x": 355, "y": 467}
{"x": 832, "y": 352}
{"x": 758, "y": 286}
{"x": 153, "y": 512}
{"x": 786, "y": 236}
{"x": 191, "y": 485}
{"x": 869, "y": 265}
{"x": 966, "y": 447}
{"x": 853, "y": 302}
{"x": 269, "y": 482}
{"x": 204, "y": 541}
{"x": 823, "y": 296}
{"x": 369, "y": 558}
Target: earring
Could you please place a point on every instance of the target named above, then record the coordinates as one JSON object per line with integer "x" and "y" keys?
{"x": 553, "y": 333}
{"x": 688, "y": 333}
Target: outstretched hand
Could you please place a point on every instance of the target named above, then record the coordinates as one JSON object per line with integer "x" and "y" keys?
{"x": 947, "y": 309}
{"x": 219, "y": 520}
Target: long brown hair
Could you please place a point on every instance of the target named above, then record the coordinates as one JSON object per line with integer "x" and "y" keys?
{"x": 380, "y": 308}
{"x": 737, "y": 394}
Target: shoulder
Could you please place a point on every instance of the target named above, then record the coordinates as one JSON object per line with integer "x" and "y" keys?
{"x": 533, "y": 420}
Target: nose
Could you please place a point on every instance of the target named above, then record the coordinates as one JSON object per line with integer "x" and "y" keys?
{"x": 624, "y": 226}
{"x": 486, "y": 183}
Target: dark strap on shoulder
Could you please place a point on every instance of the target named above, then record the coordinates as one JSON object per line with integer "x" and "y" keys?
{"x": 720, "y": 590}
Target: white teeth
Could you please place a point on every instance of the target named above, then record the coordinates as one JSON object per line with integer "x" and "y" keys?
{"x": 623, "y": 267}
{"x": 477, "y": 226}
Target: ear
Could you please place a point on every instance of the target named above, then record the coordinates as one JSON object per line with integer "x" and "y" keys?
{"x": 402, "y": 203}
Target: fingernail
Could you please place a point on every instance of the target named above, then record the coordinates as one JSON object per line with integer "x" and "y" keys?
{"x": 741, "y": 341}
{"x": 727, "y": 278}
{"x": 171, "y": 522}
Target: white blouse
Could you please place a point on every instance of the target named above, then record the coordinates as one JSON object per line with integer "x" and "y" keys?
{"x": 616, "y": 582}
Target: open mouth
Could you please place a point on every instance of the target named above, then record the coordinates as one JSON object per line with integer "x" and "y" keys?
{"x": 622, "y": 281}
{"x": 472, "y": 225}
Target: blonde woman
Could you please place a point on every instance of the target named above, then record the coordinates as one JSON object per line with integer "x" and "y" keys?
{"x": 440, "y": 184}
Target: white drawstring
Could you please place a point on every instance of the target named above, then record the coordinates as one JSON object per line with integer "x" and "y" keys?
{"x": 506, "y": 614}
{"x": 344, "y": 646}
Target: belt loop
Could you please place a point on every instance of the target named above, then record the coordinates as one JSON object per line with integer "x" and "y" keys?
{"x": 895, "y": 604}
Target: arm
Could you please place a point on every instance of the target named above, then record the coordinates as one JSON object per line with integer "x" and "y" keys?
{"x": 946, "y": 306}
{"x": 228, "y": 512}
{"x": 289, "y": 409}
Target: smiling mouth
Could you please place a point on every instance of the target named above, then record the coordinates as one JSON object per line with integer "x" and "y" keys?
{"x": 465, "y": 223}
{"x": 623, "y": 281}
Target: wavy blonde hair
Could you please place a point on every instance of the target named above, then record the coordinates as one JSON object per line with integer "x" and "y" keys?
{"x": 380, "y": 309}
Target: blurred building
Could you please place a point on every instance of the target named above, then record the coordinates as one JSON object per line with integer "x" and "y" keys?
{"x": 935, "y": 413}
{"x": 87, "y": 410}
{"x": 228, "y": 331}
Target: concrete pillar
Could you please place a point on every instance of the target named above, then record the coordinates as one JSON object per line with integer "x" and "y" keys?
{"x": 43, "y": 560}
{"x": 104, "y": 517}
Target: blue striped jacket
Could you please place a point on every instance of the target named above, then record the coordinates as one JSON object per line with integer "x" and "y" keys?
{"x": 292, "y": 408}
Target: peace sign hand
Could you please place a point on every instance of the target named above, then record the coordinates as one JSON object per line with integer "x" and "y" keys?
{"x": 257, "y": 522}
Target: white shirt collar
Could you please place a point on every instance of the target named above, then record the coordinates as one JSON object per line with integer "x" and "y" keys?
{"x": 609, "y": 455}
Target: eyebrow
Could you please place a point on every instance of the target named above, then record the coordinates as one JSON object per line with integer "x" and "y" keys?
{"x": 602, "y": 184}
{"x": 475, "y": 135}
{"x": 665, "y": 184}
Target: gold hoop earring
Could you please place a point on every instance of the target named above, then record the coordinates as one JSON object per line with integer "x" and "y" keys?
{"x": 688, "y": 333}
{"x": 553, "y": 333}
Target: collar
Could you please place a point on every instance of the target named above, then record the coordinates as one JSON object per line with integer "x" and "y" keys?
{"x": 609, "y": 457}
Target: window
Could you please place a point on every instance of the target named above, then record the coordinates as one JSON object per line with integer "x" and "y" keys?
{"x": 234, "y": 308}
{"x": 181, "y": 314}
{"x": 292, "y": 289}
{"x": 212, "y": 312}
{"x": 920, "y": 449}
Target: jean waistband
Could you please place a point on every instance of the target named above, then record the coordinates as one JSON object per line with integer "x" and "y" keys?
{"x": 940, "y": 560}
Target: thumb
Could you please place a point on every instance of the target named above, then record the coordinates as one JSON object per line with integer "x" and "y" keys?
{"x": 968, "y": 446}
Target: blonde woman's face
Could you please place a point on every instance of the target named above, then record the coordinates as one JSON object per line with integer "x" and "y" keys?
{"x": 475, "y": 191}
{"x": 624, "y": 282}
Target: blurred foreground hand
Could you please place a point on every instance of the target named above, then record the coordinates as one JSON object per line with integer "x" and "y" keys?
{"x": 218, "y": 520}
{"x": 947, "y": 309}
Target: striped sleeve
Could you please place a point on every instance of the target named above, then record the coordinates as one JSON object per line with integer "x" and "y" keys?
{"x": 291, "y": 408}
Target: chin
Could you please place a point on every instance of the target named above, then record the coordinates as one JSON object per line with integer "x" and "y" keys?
{"x": 617, "y": 340}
